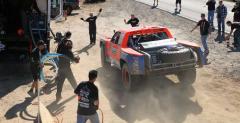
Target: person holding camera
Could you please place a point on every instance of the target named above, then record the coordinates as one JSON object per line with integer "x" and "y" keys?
{"x": 64, "y": 71}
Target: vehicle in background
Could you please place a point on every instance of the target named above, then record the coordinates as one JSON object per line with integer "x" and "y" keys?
{"x": 23, "y": 23}
{"x": 150, "y": 51}
{"x": 71, "y": 5}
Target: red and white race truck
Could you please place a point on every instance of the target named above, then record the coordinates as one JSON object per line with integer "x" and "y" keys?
{"x": 150, "y": 51}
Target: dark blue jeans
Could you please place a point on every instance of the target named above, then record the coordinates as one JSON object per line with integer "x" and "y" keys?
{"x": 211, "y": 17}
{"x": 221, "y": 26}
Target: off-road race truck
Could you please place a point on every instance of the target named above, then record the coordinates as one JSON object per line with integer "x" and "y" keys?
{"x": 150, "y": 51}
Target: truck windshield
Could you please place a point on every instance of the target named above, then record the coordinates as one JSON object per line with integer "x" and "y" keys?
{"x": 142, "y": 38}
{"x": 135, "y": 40}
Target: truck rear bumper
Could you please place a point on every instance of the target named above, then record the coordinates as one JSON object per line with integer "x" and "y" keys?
{"x": 172, "y": 68}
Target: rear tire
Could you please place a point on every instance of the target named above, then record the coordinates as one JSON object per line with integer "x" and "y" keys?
{"x": 187, "y": 77}
{"x": 103, "y": 58}
{"x": 130, "y": 82}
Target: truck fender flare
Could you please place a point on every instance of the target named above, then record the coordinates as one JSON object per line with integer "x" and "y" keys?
{"x": 196, "y": 48}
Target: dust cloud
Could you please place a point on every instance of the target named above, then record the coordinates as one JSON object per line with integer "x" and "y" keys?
{"x": 158, "y": 99}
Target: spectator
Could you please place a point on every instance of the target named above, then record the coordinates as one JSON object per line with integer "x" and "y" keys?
{"x": 236, "y": 11}
{"x": 134, "y": 21}
{"x": 88, "y": 101}
{"x": 178, "y": 2}
{"x": 234, "y": 26}
{"x": 221, "y": 16}
{"x": 64, "y": 70}
{"x": 204, "y": 31}
{"x": 62, "y": 42}
{"x": 155, "y": 3}
{"x": 211, "y": 10}
{"x": 65, "y": 11}
{"x": 36, "y": 65}
{"x": 92, "y": 26}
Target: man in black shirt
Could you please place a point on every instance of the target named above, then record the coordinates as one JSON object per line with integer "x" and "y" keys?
{"x": 211, "y": 10}
{"x": 236, "y": 10}
{"x": 204, "y": 31}
{"x": 88, "y": 101}
{"x": 92, "y": 26}
{"x": 36, "y": 65}
{"x": 134, "y": 21}
{"x": 61, "y": 43}
{"x": 64, "y": 70}
{"x": 235, "y": 27}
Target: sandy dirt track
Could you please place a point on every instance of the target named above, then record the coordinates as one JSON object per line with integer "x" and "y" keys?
{"x": 213, "y": 98}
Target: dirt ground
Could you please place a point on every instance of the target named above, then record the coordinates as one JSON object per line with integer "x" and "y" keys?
{"x": 213, "y": 98}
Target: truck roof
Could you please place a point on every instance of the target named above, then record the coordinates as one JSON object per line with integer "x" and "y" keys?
{"x": 146, "y": 30}
{"x": 143, "y": 29}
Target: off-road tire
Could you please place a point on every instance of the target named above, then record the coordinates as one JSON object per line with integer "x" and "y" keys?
{"x": 130, "y": 82}
{"x": 187, "y": 77}
{"x": 181, "y": 54}
{"x": 104, "y": 62}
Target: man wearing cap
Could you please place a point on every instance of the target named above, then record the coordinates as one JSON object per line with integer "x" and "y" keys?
{"x": 64, "y": 71}
{"x": 134, "y": 21}
{"x": 235, "y": 30}
{"x": 92, "y": 26}
{"x": 36, "y": 65}
{"x": 88, "y": 101}
{"x": 204, "y": 32}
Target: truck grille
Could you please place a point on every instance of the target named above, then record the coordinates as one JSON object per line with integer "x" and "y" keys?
{"x": 155, "y": 58}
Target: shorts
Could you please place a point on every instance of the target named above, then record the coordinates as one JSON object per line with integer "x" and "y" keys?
{"x": 35, "y": 70}
{"x": 178, "y": 1}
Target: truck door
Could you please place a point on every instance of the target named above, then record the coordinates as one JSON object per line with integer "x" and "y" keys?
{"x": 115, "y": 52}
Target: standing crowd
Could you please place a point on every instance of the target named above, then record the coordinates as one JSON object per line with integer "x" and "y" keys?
{"x": 87, "y": 91}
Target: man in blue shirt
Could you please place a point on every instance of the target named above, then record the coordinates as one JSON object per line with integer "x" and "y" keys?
{"x": 221, "y": 16}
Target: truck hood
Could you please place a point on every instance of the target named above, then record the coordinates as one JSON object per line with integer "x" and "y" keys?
{"x": 160, "y": 43}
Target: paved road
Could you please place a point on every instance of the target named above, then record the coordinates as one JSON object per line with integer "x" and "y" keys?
{"x": 191, "y": 9}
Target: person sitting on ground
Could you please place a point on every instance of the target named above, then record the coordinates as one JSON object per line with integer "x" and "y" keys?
{"x": 36, "y": 64}
{"x": 88, "y": 101}
{"x": 234, "y": 26}
{"x": 134, "y": 21}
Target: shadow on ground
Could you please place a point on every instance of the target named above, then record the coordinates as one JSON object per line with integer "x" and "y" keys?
{"x": 159, "y": 99}
{"x": 84, "y": 50}
{"x": 56, "y": 108}
{"x": 21, "y": 109}
{"x": 12, "y": 76}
